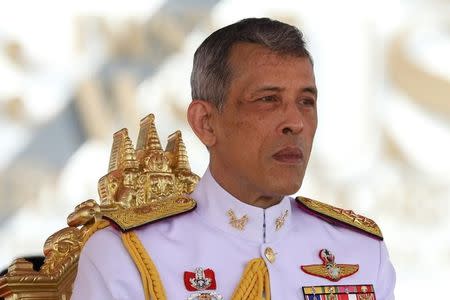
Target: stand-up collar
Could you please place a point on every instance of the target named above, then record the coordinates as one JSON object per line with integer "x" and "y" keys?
{"x": 222, "y": 210}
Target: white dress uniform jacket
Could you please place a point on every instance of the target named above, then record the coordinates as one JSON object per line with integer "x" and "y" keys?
{"x": 205, "y": 238}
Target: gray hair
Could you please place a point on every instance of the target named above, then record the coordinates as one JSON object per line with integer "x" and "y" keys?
{"x": 211, "y": 71}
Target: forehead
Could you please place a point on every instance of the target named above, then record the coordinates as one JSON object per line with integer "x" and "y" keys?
{"x": 255, "y": 55}
{"x": 245, "y": 50}
{"x": 248, "y": 60}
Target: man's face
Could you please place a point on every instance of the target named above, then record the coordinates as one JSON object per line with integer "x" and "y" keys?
{"x": 264, "y": 134}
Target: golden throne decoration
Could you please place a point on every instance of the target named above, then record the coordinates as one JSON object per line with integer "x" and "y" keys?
{"x": 142, "y": 185}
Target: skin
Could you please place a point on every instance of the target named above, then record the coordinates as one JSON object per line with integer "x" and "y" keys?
{"x": 260, "y": 142}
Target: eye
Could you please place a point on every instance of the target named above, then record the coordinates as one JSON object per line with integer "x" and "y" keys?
{"x": 271, "y": 98}
{"x": 308, "y": 102}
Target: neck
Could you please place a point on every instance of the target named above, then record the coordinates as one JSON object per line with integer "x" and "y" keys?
{"x": 245, "y": 193}
{"x": 263, "y": 201}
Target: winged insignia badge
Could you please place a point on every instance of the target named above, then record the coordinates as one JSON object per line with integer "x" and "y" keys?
{"x": 329, "y": 269}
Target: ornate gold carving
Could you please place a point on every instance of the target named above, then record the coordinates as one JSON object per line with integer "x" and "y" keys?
{"x": 148, "y": 183}
{"x": 85, "y": 213}
{"x": 137, "y": 216}
{"x": 54, "y": 279}
{"x": 345, "y": 216}
{"x": 148, "y": 174}
{"x": 279, "y": 222}
{"x": 141, "y": 186}
{"x": 240, "y": 223}
{"x": 21, "y": 266}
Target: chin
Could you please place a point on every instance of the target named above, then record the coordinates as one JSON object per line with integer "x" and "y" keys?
{"x": 292, "y": 189}
{"x": 286, "y": 188}
{"x": 283, "y": 181}
{"x": 290, "y": 182}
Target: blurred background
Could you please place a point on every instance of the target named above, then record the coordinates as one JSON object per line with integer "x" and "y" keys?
{"x": 74, "y": 72}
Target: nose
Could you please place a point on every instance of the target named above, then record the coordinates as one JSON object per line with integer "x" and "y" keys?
{"x": 292, "y": 120}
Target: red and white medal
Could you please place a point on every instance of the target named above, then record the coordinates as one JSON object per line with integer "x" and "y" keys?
{"x": 203, "y": 283}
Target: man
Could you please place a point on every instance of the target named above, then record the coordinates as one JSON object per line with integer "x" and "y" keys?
{"x": 255, "y": 108}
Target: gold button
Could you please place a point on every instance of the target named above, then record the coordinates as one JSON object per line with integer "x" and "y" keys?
{"x": 270, "y": 254}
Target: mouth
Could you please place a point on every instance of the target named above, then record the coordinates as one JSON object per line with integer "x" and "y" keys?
{"x": 289, "y": 155}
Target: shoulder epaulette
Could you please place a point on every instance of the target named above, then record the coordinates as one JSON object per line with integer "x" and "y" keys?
{"x": 340, "y": 216}
{"x": 133, "y": 217}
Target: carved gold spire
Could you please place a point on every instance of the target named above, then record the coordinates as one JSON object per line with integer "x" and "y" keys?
{"x": 114, "y": 159}
{"x": 176, "y": 151}
{"x": 148, "y": 137}
{"x": 129, "y": 155}
{"x": 123, "y": 155}
{"x": 175, "y": 146}
{"x": 121, "y": 172}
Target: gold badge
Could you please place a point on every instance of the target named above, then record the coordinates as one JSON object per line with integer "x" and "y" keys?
{"x": 240, "y": 223}
{"x": 279, "y": 222}
{"x": 329, "y": 269}
{"x": 270, "y": 255}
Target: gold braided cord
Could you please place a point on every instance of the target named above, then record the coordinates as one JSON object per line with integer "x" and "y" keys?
{"x": 138, "y": 262}
{"x": 153, "y": 288}
{"x": 96, "y": 226}
{"x": 255, "y": 283}
{"x": 266, "y": 284}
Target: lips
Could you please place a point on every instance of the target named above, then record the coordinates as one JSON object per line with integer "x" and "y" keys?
{"x": 289, "y": 155}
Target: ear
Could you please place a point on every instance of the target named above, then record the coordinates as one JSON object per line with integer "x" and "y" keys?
{"x": 199, "y": 115}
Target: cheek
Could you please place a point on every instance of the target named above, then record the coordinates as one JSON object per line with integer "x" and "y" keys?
{"x": 310, "y": 126}
{"x": 237, "y": 130}
{"x": 239, "y": 127}
{"x": 245, "y": 139}
{"x": 246, "y": 133}
{"x": 312, "y": 131}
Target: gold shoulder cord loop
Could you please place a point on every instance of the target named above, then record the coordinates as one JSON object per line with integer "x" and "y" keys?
{"x": 153, "y": 288}
{"x": 254, "y": 284}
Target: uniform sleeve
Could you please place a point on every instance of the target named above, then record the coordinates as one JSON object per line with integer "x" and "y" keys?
{"x": 386, "y": 276}
{"x": 89, "y": 283}
{"x": 106, "y": 270}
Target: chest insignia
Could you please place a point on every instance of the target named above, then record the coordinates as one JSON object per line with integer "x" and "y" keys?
{"x": 329, "y": 269}
{"x": 203, "y": 282}
{"x": 279, "y": 222}
{"x": 338, "y": 292}
{"x": 205, "y": 296}
{"x": 235, "y": 222}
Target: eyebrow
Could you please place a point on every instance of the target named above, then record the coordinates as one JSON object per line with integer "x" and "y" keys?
{"x": 309, "y": 89}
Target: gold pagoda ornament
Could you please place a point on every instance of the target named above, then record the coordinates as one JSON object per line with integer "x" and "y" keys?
{"x": 148, "y": 183}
